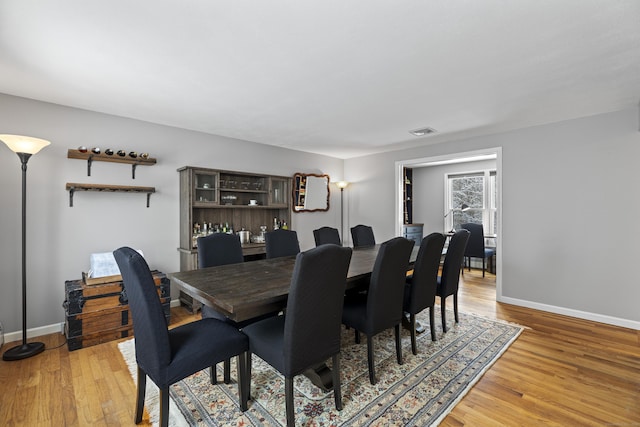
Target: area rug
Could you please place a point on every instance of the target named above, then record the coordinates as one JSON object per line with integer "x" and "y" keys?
{"x": 420, "y": 392}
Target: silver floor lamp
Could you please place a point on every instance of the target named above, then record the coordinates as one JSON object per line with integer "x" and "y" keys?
{"x": 24, "y": 147}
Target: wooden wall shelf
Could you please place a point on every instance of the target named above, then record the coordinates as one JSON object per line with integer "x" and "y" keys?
{"x": 90, "y": 157}
{"x": 72, "y": 187}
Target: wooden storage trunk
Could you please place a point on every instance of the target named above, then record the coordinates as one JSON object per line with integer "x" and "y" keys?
{"x": 100, "y": 312}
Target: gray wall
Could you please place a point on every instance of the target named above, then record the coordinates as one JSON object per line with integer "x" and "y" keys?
{"x": 569, "y": 202}
{"x": 61, "y": 238}
{"x": 569, "y": 207}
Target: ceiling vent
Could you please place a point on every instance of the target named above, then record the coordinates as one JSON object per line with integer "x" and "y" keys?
{"x": 422, "y": 132}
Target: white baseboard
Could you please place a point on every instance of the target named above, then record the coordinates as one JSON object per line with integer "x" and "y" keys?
{"x": 34, "y": 332}
{"x": 609, "y": 320}
{"x": 595, "y": 317}
{"x": 52, "y": 329}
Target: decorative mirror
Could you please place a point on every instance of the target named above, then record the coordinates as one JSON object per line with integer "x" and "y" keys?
{"x": 310, "y": 192}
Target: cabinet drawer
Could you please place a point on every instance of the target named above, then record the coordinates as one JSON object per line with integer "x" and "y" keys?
{"x": 413, "y": 232}
{"x": 416, "y": 237}
{"x": 412, "y": 228}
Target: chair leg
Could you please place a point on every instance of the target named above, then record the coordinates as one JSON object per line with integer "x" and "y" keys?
{"x": 469, "y": 263}
{"x": 213, "y": 374}
{"x": 243, "y": 387}
{"x": 337, "y": 392}
{"x": 398, "y": 344}
{"x": 142, "y": 386}
{"x": 370, "y": 360}
{"x": 227, "y": 371}
{"x": 248, "y": 376}
{"x": 357, "y": 336}
{"x": 412, "y": 329}
{"x": 288, "y": 394}
{"x": 164, "y": 406}
{"x": 443, "y": 309}
{"x": 455, "y": 307}
{"x": 432, "y": 322}
{"x": 483, "y": 265}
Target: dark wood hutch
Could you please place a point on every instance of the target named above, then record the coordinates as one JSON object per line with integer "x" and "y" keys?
{"x": 225, "y": 201}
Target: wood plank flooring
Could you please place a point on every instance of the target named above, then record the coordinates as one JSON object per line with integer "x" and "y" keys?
{"x": 561, "y": 371}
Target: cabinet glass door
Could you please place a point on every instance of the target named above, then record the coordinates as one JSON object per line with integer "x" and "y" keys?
{"x": 205, "y": 189}
{"x": 279, "y": 191}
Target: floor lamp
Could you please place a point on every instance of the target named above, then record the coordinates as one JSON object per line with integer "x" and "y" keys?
{"x": 24, "y": 147}
{"x": 342, "y": 185}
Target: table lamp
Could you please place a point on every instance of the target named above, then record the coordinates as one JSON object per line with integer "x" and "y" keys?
{"x": 463, "y": 208}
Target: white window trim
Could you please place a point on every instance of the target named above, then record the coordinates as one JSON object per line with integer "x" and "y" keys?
{"x": 487, "y": 211}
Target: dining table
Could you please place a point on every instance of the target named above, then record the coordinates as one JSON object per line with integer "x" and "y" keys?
{"x": 249, "y": 289}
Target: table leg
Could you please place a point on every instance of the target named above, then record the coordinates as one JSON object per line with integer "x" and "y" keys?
{"x": 320, "y": 376}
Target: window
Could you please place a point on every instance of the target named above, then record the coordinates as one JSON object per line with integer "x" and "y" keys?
{"x": 471, "y": 197}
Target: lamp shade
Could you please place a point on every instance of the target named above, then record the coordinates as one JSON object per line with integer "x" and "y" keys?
{"x": 342, "y": 184}
{"x": 24, "y": 144}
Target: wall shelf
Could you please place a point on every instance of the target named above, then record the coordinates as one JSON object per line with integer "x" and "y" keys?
{"x": 90, "y": 157}
{"x": 407, "y": 196}
{"x": 72, "y": 187}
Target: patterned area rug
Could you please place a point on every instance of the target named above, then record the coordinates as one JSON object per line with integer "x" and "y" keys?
{"x": 420, "y": 392}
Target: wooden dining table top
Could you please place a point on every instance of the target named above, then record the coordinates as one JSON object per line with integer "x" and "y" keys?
{"x": 245, "y": 290}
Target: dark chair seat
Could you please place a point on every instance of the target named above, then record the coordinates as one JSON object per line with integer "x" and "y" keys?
{"x": 188, "y": 348}
{"x": 475, "y": 246}
{"x": 309, "y": 333}
{"x": 449, "y": 279}
{"x": 167, "y": 356}
{"x": 213, "y": 250}
{"x": 420, "y": 289}
{"x": 355, "y": 312}
{"x": 222, "y": 249}
{"x": 381, "y": 307}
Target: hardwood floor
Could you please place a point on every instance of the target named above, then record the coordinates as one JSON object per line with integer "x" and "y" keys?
{"x": 560, "y": 371}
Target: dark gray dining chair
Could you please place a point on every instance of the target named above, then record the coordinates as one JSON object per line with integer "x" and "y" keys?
{"x": 219, "y": 249}
{"x": 475, "y": 245}
{"x": 326, "y": 235}
{"x": 213, "y": 250}
{"x": 420, "y": 288}
{"x": 309, "y": 333}
{"x": 449, "y": 279}
{"x": 222, "y": 249}
{"x": 362, "y": 235}
{"x": 279, "y": 243}
{"x": 381, "y": 307}
{"x": 168, "y": 356}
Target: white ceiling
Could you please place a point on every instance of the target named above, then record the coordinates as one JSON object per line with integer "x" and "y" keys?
{"x": 337, "y": 77}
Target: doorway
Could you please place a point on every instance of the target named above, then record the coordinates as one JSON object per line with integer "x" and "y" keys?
{"x": 454, "y": 159}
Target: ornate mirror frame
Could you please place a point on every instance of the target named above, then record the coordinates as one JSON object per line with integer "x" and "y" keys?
{"x": 310, "y": 192}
